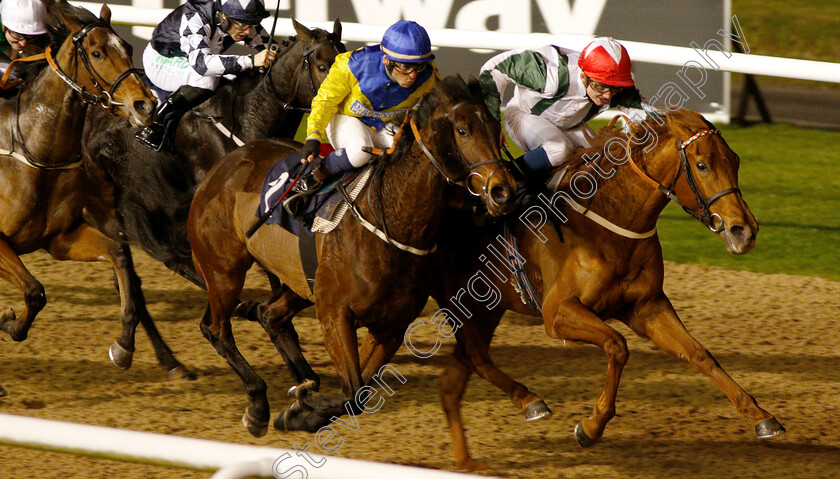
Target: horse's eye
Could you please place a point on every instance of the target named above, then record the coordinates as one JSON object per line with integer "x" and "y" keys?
{"x": 701, "y": 166}
{"x": 462, "y": 132}
{"x": 96, "y": 55}
{"x": 322, "y": 69}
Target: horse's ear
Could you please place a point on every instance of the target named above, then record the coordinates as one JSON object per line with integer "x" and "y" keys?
{"x": 474, "y": 86}
{"x": 337, "y": 29}
{"x": 71, "y": 22}
{"x": 303, "y": 33}
{"x": 105, "y": 14}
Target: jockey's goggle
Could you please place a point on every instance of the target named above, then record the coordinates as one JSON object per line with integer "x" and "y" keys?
{"x": 18, "y": 36}
{"x": 408, "y": 68}
{"x": 602, "y": 88}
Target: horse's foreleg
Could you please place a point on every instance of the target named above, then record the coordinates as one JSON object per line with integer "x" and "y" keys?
{"x": 452, "y": 384}
{"x": 571, "y": 320}
{"x": 657, "y": 321}
{"x": 85, "y": 243}
{"x": 13, "y": 271}
{"x": 313, "y": 410}
{"x": 124, "y": 268}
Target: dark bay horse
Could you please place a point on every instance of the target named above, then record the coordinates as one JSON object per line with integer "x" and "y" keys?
{"x": 361, "y": 280}
{"x": 598, "y": 271}
{"x": 140, "y": 197}
{"x": 40, "y": 169}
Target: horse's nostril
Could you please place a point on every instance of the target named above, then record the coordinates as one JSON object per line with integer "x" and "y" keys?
{"x": 500, "y": 194}
{"x": 741, "y": 232}
{"x": 143, "y": 106}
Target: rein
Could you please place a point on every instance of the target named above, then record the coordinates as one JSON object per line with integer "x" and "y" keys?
{"x": 288, "y": 44}
{"x": 383, "y": 234}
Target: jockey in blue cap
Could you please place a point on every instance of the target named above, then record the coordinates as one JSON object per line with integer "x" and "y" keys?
{"x": 184, "y": 62}
{"x": 366, "y": 90}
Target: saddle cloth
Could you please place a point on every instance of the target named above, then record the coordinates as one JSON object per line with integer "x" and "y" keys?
{"x": 325, "y": 208}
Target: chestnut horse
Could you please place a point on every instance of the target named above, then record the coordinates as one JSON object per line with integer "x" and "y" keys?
{"x": 593, "y": 271}
{"x": 40, "y": 170}
{"x": 361, "y": 279}
{"x": 141, "y": 197}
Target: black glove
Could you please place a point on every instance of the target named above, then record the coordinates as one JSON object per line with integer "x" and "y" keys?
{"x": 312, "y": 147}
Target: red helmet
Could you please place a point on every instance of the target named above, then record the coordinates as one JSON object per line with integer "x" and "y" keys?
{"x": 606, "y": 61}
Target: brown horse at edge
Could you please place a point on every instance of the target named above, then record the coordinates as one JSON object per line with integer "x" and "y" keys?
{"x": 593, "y": 274}
{"x": 43, "y": 184}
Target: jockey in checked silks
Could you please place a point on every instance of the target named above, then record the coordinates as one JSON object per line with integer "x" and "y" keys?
{"x": 184, "y": 58}
{"x": 355, "y": 109}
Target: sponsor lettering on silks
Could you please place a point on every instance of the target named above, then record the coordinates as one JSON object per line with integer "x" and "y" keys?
{"x": 360, "y": 109}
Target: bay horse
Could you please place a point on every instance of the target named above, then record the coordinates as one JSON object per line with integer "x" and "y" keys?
{"x": 584, "y": 272}
{"x": 361, "y": 280}
{"x": 40, "y": 170}
{"x": 141, "y": 197}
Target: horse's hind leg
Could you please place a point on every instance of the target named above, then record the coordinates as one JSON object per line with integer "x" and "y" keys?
{"x": 657, "y": 321}
{"x": 276, "y": 318}
{"x": 85, "y": 243}
{"x": 13, "y": 271}
{"x": 571, "y": 320}
{"x": 475, "y": 336}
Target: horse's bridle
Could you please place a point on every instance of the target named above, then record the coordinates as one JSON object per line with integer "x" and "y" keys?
{"x": 288, "y": 44}
{"x": 707, "y": 217}
{"x": 105, "y": 96}
{"x": 464, "y": 181}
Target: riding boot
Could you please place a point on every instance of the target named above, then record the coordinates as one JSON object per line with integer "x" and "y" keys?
{"x": 332, "y": 165}
{"x": 170, "y": 112}
{"x": 532, "y": 167}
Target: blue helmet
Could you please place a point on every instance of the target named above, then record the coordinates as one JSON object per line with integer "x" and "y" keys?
{"x": 250, "y": 12}
{"x": 407, "y": 42}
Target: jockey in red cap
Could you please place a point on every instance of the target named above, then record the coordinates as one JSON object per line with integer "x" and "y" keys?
{"x": 556, "y": 90}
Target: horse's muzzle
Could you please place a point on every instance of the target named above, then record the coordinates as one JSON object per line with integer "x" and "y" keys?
{"x": 501, "y": 199}
{"x": 740, "y": 239}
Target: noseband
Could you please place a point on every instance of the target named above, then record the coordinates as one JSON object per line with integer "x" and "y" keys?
{"x": 706, "y": 217}
{"x": 463, "y": 181}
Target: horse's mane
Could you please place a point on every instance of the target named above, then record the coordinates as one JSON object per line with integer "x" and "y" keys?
{"x": 246, "y": 81}
{"x": 661, "y": 129}
{"x": 449, "y": 90}
{"x": 56, "y": 29}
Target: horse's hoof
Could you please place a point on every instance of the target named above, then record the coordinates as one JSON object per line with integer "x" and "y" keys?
{"x": 471, "y": 465}
{"x": 181, "y": 372}
{"x": 769, "y": 428}
{"x": 537, "y": 410}
{"x": 247, "y": 310}
{"x": 3, "y": 392}
{"x": 120, "y": 356}
{"x": 254, "y": 426}
{"x": 581, "y": 438}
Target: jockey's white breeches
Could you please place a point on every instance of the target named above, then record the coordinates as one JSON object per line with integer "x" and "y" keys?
{"x": 348, "y": 132}
{"x": 531, "y": 131}
{"x": 170, "y": 73}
